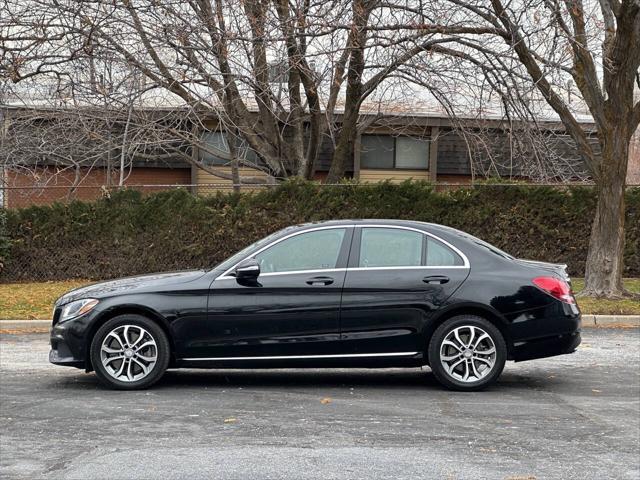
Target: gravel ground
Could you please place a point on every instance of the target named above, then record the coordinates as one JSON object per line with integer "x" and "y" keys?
{"x": 575, "y": 416}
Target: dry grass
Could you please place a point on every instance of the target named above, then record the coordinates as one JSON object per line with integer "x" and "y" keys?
{"x": 19, "y": 301}
{"x": 29, "y": 301}
{"x": 599, "y": 306}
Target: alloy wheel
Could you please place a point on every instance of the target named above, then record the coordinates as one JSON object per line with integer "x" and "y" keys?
{"x": 128, "y": 353}
{"x": 468, "y": 353}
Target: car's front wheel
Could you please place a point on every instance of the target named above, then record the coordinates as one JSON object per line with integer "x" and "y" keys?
{"x": 130, "y": 352}
{"x": 467, "y": 353}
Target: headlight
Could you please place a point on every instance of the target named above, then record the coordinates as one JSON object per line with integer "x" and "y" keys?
{"x": 77, "y": 308}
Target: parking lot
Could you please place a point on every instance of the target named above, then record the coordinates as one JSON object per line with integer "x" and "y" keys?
{"x": 576, "y": 416}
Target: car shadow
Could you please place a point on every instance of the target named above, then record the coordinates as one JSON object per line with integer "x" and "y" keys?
{"x": 299, "y": 378}
{"x": 415, "y": 379}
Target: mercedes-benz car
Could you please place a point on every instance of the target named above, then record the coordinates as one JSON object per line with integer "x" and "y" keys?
{"x": 349, "y": 293}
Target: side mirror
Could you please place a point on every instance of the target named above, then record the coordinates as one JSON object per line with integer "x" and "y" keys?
{"x": 249, "y": 269}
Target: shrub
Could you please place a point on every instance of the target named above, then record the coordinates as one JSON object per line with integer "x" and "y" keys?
{"x": 4, "y": 239}
{"x": 130, "y": 233}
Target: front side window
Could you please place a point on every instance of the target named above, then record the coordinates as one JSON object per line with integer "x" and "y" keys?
{"x": 390, "y": 247}
{"x": 316, "y": 250}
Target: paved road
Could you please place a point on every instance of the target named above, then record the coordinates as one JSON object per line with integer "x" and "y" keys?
{"x": 576, "y": 416}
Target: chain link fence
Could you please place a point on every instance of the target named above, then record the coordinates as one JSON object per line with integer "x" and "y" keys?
{"x": 26, "y": 196}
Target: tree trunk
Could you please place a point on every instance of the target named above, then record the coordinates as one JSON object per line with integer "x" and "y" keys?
{"x": 235, "y": 163}
{"x": 343, "y": 153}
{"x": 605, "y": 258}
{"x": 344, "y": 149}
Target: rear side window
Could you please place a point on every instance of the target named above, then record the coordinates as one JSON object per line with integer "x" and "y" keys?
{"x": 390, "y": 247}
{"x": 439, "y": 255}
{"x": 394, "y": 247}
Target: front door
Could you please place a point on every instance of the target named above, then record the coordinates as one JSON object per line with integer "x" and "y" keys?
{"x": 397, "y": 278}
{"x": 291, "y": 309}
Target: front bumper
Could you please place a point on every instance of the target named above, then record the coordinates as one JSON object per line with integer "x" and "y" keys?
{"x": 59, "y": 355}
{"x": 68, "y": 342}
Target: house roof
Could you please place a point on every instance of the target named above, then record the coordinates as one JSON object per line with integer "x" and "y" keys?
{"x": 414, "y": 103}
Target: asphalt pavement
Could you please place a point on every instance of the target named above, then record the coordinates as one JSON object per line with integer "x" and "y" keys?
{"x": 575, "y": 416}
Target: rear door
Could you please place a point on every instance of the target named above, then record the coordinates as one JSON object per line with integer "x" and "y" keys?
{"x": 397, "y": 277}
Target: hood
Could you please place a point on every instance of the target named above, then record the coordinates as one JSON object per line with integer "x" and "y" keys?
{"x": 130, "y": 284}
{"x": 558, "y": 268}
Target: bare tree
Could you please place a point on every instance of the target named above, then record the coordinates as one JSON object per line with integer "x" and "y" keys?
{"x": 216, "y": 58}
{"x": 565, "y": 56}
{"x": 610, "y": 101}
{"x": 378, "y": 48}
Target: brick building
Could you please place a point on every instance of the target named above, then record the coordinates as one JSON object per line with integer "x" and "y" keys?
{"x": 418, "y": 145}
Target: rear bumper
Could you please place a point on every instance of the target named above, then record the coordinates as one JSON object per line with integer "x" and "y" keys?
{"x": 546, "y": 347}
{"x": 544, "y": 332}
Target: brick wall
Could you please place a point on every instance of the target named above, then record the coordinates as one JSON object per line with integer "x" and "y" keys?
{"x": 46, "y": 185}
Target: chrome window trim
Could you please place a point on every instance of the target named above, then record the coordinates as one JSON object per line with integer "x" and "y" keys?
{"x": 303, "y": 357}
{"x": 465, "y": 260}
{"x": 273, "y": 274}
{"x": 409, "y": 267}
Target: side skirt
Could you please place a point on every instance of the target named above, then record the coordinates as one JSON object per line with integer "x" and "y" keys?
{"x": 371, "y": 360}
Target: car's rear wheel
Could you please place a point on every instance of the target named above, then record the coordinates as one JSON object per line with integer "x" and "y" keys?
{"x": 130, "y": 352}
{"x": 467, "y": 353}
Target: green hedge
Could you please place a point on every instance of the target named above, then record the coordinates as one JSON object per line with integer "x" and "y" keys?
{"x": 130, "y": 234}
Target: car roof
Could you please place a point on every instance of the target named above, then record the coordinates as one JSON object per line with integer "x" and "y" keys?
{"x": 374, "y": 221}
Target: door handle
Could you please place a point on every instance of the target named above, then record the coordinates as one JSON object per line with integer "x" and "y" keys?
{"x": 436, "y": 279}
{"x": 320, "y": 281}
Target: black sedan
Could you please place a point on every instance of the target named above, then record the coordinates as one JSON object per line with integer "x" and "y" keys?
{"x": 357, "y": 293}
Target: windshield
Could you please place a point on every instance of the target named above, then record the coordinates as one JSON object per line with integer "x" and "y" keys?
{"x": 235, "y": 258}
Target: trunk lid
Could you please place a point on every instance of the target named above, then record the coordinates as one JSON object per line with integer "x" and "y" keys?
{"x": 557, "y": 268}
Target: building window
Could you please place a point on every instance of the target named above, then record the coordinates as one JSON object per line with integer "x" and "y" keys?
{"x": 387, "y": 152}
{"x": 216, "y": 150}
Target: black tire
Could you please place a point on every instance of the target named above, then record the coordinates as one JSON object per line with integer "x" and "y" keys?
{"x": 448, "y": 379}
{"x": 161, "y": 349}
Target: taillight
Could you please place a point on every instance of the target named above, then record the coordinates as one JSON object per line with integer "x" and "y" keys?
{"x": 555, "y": 287}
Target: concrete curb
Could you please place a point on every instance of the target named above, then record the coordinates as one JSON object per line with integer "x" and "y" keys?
{"x": 610, "y": 321}
{"x": 24, "y": 324}
{"x": 597, "y": 321}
